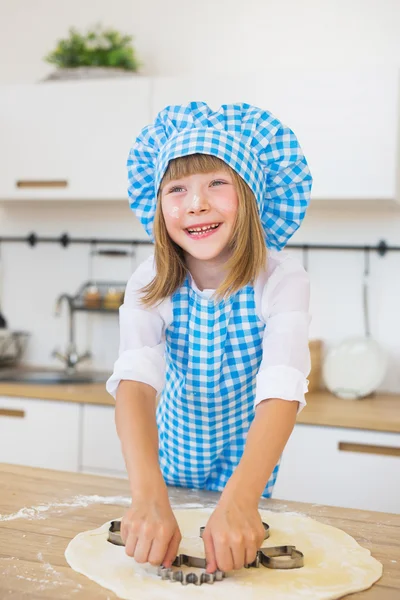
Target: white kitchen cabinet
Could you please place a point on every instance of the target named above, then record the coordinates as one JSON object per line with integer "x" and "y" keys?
{"x": 341, "y": 467}
{"x": 39, "y": 433}
{"x": 101, "y": 448}
{"x": 347, "y": 122}
{"x": 69, "y": 140}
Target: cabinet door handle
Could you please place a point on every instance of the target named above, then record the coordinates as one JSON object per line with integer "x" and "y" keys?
{"x": 40, "y": 183}
{"x": 369, "y": 449}
{"x": 8, "y": 412}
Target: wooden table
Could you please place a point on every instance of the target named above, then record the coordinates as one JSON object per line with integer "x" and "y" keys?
{"x": 42, "y": 510}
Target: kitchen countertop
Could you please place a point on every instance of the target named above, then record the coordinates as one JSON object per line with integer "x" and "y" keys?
{"x": 42, "y": 510}
{"x": 380, "y": 412}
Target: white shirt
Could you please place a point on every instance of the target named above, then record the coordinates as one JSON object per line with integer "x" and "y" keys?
{"x": 281, "y": 295}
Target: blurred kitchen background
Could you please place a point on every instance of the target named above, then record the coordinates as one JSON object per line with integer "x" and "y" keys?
{"x": 330, "y": 70}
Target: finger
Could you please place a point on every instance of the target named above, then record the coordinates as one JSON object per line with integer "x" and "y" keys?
{"x": 250, "y": 554}
{"x": 209, "y": 551}
{"x": 158, "y": 551}
{"x": 253, "y": 542}
{"x": 238, "y": 552}
{"x": 124, "y": 530}
{"x": 238, "y": 549}
{"x": 172, "y": 551}
{"x": 130, "y": 544}
{"x": 142, "y": 549}
{"x": 260, "y": 535}
{"x": 223, "y": 554}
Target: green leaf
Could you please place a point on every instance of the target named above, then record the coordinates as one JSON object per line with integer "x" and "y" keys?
{"x": 98, "y": 47}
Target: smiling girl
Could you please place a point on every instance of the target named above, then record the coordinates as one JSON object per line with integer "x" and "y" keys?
{"x": 215, "y": 322}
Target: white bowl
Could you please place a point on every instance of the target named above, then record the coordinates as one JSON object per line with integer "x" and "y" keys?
{"x": 355, "y": 368}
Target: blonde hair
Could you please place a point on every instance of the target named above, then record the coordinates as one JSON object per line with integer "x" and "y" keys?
{"x": 249, "y": 253}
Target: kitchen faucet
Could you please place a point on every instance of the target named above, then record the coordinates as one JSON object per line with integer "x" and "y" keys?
{"x": 70, "y": 358}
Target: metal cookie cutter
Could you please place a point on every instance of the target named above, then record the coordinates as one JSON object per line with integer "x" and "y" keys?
{"x": 278, "y": 557}
{"x": 114, "y": 534}
{"x": 193, "y": 561}
{"x": 272, "y": 558}
{"x": 114, "y": 537}
{"x": 189, "y": 561}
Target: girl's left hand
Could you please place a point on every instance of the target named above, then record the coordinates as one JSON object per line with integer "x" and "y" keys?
{"x": 232, "y": 536}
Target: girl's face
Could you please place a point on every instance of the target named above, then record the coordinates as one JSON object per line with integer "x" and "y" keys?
{"x": 206, "y": 201}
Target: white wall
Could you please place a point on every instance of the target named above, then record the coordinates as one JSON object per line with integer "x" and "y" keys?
{"x": 187, "y": 37}
{"x": 33, "y": 278}
{"x": 212, "y": 36}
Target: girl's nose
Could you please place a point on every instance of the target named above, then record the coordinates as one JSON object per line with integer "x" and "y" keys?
{"x": 199, "y": 203}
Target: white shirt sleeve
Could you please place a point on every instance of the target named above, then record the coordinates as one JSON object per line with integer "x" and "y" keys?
{"x": 286, "y": 357}
{"x": 142, "y": 340}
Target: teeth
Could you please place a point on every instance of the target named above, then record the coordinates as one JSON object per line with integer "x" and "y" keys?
{"x": 197, "y": 229}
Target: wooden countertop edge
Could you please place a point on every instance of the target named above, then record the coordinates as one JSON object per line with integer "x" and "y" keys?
{"x": 116, "y": 485}
{"x": 91, "y": 393}
{"x": 380, "y": 412}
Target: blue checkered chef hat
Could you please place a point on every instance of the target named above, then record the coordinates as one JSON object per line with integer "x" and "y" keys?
{"x": 263, "y": 151}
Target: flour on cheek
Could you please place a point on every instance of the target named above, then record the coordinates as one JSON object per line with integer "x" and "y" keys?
{"x": 195, "y": 202}
{"x": 174, "y": 212}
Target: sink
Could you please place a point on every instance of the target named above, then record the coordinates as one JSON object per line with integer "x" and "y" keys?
{"x": 43, "y": 376}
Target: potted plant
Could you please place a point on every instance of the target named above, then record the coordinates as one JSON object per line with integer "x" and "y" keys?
{"x": 98, "y": 53}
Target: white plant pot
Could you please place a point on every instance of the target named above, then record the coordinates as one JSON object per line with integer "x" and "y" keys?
{"x": 87, "y": 73}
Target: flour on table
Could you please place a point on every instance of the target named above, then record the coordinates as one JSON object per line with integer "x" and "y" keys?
{"x": 38, "y": 512}
{"x": 334, "y": 563}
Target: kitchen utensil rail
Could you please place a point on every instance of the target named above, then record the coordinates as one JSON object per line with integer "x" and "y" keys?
{"x": 65, "y": 240}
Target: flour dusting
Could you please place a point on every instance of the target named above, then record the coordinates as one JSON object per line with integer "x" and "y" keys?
{"x": 35, "y": 580}
{"x": 37, "y": 512}
{"x": 48, "y": 568}
{"x": 47, "y": 580}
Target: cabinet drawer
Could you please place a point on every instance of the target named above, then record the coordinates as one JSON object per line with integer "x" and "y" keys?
{"x": 341, "y": 467}
{"x": 70, "y": 140}
{"x": 101, "y": 448}
{"x": 39, "y": 433}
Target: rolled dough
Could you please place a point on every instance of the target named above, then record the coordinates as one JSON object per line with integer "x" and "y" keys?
{"x": 334, "y": 563}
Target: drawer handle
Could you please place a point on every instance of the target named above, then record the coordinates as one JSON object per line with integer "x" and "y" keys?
{"x": 8, "y": 412}
{"x": 369, "y": 449}
{"x": 37, "y": 183}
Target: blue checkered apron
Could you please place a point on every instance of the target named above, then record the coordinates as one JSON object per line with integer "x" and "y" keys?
{"x": 213, "y": 353}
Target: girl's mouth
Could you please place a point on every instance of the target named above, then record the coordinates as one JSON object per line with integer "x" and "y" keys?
{"x": 200, "y": 233}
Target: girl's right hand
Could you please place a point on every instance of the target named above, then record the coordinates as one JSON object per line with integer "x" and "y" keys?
{"x": 150, "y": 532}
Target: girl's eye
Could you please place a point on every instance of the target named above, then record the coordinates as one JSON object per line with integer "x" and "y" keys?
{"x": 176, "y": 188}
{"x": 218, "y": 182}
